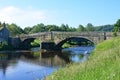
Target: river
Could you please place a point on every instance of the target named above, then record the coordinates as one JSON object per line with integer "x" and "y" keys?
{"x": 35, "y": 65}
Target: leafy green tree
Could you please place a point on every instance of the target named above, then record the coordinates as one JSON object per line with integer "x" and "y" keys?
{"x": 14, "y": 29}
{"x": 72, "y": 29}
{"x": 38, "y": 28}
{"x": 67, "y": 27}
{"x": 52, "y": 28}
{"x": 117, "y": 26}
{"x": 81, "y": 28}
{"x": 64, "y": 27}
{"x": 90, "y": 27}
{"x": 27, "y": 30}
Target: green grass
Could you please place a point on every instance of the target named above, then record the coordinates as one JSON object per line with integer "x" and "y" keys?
{"x": 103, "y": 64}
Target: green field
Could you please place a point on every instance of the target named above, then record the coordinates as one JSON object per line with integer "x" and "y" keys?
{"x": 103, "y": 64}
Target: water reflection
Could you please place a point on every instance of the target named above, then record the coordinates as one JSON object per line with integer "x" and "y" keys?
{"x": 30, "y": 65}
{"x": 77, "y": 54}
{"x": 27, "y": 65}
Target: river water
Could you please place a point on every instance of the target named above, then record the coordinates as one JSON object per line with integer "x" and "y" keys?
{"x": 35, "y": 65}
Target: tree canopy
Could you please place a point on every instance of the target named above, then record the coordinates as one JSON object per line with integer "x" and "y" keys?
{"x": 117, "y": 26}
{"x": 81, "y": 28}
{"x": 17, "y": 30}
{"x": 90, "y": 27}
{"x": 14, "y": 29}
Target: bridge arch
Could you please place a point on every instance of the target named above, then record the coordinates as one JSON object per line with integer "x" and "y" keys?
{"x": 26, "y": 43}
{"x": 80, "y": 41}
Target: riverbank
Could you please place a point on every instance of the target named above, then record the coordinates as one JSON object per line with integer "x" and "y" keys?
{"x": 103, "y": 64}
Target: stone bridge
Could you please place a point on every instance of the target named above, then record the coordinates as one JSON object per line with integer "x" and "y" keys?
{"x": 56, "y": 37}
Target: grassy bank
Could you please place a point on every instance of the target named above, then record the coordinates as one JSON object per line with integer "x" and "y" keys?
{"x": 103, "y": 64}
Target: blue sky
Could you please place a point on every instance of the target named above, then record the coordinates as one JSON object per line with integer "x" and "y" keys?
{"x": 72, "y": 12}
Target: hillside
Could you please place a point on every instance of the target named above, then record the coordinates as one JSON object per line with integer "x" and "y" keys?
{"x": 103, "y": 64}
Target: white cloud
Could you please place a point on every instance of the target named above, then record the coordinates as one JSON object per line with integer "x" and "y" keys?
{"x": 24, "y": 17}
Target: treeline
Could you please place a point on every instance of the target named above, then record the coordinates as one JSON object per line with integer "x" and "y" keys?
{"x": 65, "y": 27}
{"x": 17, "y": 30}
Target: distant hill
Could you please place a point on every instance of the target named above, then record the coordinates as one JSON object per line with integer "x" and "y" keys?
{"x": 107, "y": 28}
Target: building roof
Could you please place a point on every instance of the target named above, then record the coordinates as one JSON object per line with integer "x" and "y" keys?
{"x": 3, "y": 26}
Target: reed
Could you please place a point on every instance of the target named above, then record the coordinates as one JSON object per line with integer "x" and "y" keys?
{"x": 103, "y": 64}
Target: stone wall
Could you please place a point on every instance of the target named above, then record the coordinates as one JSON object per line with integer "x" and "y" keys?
{"x": 56, "y": 37}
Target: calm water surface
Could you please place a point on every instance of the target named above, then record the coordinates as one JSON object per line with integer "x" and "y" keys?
{"x": 34, "y": 65}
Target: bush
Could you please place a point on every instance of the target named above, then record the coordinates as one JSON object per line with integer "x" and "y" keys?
{"x": 3, "y": 45}
{"x": 115, "y": 34}
{"x": 35, "y": 43}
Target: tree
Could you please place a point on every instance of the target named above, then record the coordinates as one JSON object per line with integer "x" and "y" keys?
{"x": 90, "y": 27}
{"x": 52, "y": 28}
{"x": 38, "y": 28}
{"x": 81, "y": 28}
{"x": 72, "y": 29}
{"x": 14, "y": 29}
{"x": 64, "y": 27}
{"x": 117, "y": 26}
{"x": 27, "y": 30}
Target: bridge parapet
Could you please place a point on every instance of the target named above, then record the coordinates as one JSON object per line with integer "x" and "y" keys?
{"x": 56, "y": 36}
{"x": 43, "y": 36}
{"x": 93, "y": 36}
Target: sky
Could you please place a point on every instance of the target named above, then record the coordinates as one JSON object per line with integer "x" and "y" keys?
{"x": 26, "y": 13}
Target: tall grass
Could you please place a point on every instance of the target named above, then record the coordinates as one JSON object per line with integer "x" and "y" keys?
{"x": 103, "y": 64}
